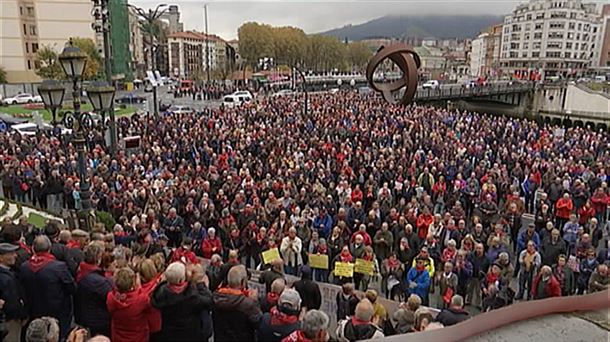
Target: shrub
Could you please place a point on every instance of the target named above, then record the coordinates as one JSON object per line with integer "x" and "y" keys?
{"x": 106, "y": 219}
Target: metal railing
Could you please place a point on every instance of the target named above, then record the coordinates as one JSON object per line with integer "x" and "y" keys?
{"x": 463, "y": 92}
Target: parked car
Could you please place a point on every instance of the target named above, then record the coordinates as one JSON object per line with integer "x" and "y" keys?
{"x": 432, "y": 84}
{"x": 130, "y": 99}
{"x": 180, "y": 109}
{"x": 30, "y": 129}
{"x": 7, "y": 121}
{"x": 237, "y": 98}
{"x": 284, "y": 92}
{"x": 22, "y": 98}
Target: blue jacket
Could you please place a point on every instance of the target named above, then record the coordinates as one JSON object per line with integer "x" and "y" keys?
{"x": 422, "y": 279}
{"x": 10, "y": 292}
{"x": 326, "y": 222}
{"x": 523, "y": 239}
{"x": 49, "y": 292}
{"x": 90, "y": 301}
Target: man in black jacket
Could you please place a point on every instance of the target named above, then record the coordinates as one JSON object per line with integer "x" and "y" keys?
{"x": 268, "y": 276}
{"x": 309, "y": 290}
{"x": 90, "y": 309}
{"x": 12, "y": 234}
{"x": 48, "y": 285}
{"x": 454, "y": 314}
{"x": 10, "y": 292}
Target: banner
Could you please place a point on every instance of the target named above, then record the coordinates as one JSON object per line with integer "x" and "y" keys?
{"x": 271, "y": 255}
{"x": 364, "y": 267}
{"x": 344, "y": 269}
{"x": 318, "y": 261}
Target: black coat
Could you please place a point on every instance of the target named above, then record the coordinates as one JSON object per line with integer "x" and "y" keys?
{"x": 236, "y": 317}
{"x": 12, "y": 294}
{"x": 49, "y": 292}
{"x": 452, "y": 316}
{"x": 311, "y": 298}
{"x": 181, "y": 313}
{"x": 62, "y": 253}
{"x": 90, "y": 308}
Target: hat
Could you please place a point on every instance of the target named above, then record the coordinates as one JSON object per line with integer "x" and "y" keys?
{"x": 290, "y": 299}
{"x": 7, "y": 248}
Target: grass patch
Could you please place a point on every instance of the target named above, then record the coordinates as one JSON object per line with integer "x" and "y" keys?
{"x": 37, "y": 220}
{"x": 16, "y": 110}
{"x": 598, "y": 86}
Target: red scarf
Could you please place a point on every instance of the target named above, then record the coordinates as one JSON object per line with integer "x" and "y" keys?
{"x": 393, "y": 263}
{"x": 73, "y": 244}
{"x": 235, "y": 292}
{"x": 178, "y": 288}
{"x": 296, "y": 336}
{"x": 346, "y": 257}
{"x": 367, "y": 257}
{"x": 280, "y": 318}
{"x": 84, "y": 269}
{"x": 356, "y": 321}
{"x": 491, "y": 278}
{"x": 25, "y": 247}
{"x": 39, "y": 260}
{"x": 322, "y": 249}
{"x": 272, "y": 298}
{"x": 420, "y": 268}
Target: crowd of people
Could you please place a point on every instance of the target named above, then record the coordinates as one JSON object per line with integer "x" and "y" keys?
{"x": 448, "y": 206}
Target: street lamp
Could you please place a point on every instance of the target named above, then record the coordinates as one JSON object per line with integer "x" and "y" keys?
{"x": 73, "y": 62}
{"x": 52, "y": 94}
{"x": 101, "y": 96}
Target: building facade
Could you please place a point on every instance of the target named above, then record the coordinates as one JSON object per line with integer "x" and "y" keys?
{"x": 28, "y": 25}
{"x": 120, "y": 39}
{"x": 188, "y": 56}
{"x": 136, "y": 44}
{"x": 550, "y": 38}
{"x": 485, "y": 53}
{"x": 172, "y": 16}
{"x": 604, "y": 41}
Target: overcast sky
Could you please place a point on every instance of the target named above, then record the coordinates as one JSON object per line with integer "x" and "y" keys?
{"x": 225, "y": 16}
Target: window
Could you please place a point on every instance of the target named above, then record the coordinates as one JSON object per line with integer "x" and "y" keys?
{"x": 535, "y": 54}
{"x": 553, "y": 45}
{"x": 572, "y": 15}
{"x": 568, "y": 45}
{"x": 526, "y": 46}
{"x": 29, "y": 65}
{"x": 540, "y": 15}
{"x": 524, "y": 55}
{"x": 536, "y": 46}
{"x": 555, "y": 35}
{"x": 571, "y": 26}
{"x": 576, "y": 46}
{"x": 30, "y": 11}
{"x": 553, "y": 54}
{"x": 529, "y": 17}
{"x": 538, "y": 35}
{"x": 27, "y": 47}
{"x": 527, "y": 37}
{"x": 528, "y": 27}
{"x": 570, "y": 35}
{"x": 25, "y": 30}
{"x": 567, "y": 55}
{"x": 538, "y": 26}
{"x": 33, "y": 30}
{"x": 34, "y": 47}
{"x": 556, "y": 25}
{"x": 513, "y": 54}
{"x": 20, "y": 10}
{"x": 514, "y": 46}
{"x": 579, "y": 26}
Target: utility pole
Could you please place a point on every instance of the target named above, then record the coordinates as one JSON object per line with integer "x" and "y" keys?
{"x": 207, "y": 44}
{"x": 108, "y": 70}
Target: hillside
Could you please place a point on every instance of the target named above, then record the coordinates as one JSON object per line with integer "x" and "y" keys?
{"x": 436, "y": 26}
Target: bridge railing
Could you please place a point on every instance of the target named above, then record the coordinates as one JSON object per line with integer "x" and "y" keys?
{"x": 463, "y": 92}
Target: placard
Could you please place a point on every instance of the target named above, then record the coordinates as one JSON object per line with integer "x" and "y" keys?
{"x": 271, "y": 255}
{"x": 319, "y": 261}
{"x": 344, "y": 269}
{"x": 364, "y": 267}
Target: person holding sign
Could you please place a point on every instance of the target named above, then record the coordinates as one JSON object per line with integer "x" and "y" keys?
{"x": 365, "y": 269}
{"x": 291, "y": 251}
{"x": 345, "y": 257}
{"x": 318, "y": 261}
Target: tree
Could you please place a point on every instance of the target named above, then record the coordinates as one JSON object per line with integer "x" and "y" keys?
{"x": 2, "y": 75}
{"x": 358, "y": 55}
{"x": 289, "y": 45}
{"x": 49, "y": 68}
{"x": 94, "y": 60}
{"x": 255, "y": 41}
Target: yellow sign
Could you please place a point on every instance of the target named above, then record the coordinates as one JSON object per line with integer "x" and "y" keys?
{"x": 271, "y": 255}
{"x": 344, "y": 269}
{"x": 318, "y": 261}
{"x": 364, "y": 267}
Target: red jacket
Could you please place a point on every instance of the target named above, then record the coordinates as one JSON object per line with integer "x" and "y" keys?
{"x": 564, "y": 208}
{"x": 208, "y": 245}
{"x": 366, "y": 238}
{"x": 600, "y": 202}
{"x": 423, "y": 224}
{"x": 584, "y": 214}
{"x": 189, "y": 256}
{"x": 552, "y": 288}
{"x": 154, "y": 316}
{"x": 129, "y": 314}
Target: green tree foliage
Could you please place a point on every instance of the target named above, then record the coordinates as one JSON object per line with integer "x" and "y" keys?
{"x": 358, "y": 55}
{"x": 2, "y": 75}
{"x": 94, "y": 60}
{"x": 255, "y": 41}
{"x": 49, "y": 68}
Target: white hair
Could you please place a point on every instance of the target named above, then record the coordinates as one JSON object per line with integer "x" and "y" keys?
{"x": 175, "y": 273}
{"x": 313, "y": 322}
{"x": 211, "y": 231}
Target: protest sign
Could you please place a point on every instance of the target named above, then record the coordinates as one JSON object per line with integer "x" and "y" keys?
{"x": 344, "y": 269}
{"x": 319, "y": 261}
{"x": 271, "y": 255}
{"x": 364, "y": 267}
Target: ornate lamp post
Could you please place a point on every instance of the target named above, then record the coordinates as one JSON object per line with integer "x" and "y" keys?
{"x": 101, "y": 96}
{"x": 52, "y": 93}
{"x": 73, "y": 62}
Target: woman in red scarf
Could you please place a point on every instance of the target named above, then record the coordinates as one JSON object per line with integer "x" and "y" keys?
{"x": 211, "y": 244}
{"x": 362, "y": 280}
{"x": 392, "y": 273}
{"x": 424, "y": 220}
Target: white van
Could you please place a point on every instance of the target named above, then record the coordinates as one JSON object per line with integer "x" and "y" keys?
{"x": 237, "y": 98}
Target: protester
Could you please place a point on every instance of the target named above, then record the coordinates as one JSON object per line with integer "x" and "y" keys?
{"x": 314, "y": 328}
{"x": 454, "y": 314}
{"x": 43, "y": 271}
{"x": 308, "y": 290}
{"x": 43, "y": 329}
{"x": 346, "y": 301}
{"x": 545, "y": 285}
{"x": 283, "y": 319}
{"x": 13, "y": 307}
{"x": 361, "y": 326}
{"x": 599, "y": 280}
{"x": 405, "y": 315}
{"x": 270, "y": 300}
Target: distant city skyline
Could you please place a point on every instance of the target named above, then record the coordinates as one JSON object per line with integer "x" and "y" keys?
{"x": 225, "y": 16}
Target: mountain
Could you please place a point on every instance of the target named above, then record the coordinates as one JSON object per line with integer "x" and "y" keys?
{"x": 436, "y": 26}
